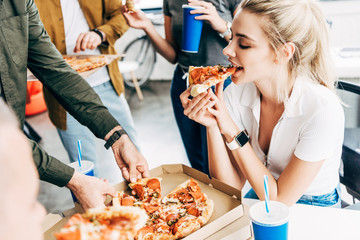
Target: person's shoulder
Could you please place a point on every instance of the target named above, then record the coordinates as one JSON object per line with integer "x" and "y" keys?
{"x": 318, "y": 98}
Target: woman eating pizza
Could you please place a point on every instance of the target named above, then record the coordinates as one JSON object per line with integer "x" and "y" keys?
{"x": 281, "y": 117}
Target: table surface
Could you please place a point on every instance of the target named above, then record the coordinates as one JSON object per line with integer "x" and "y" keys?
{"x": 311, "y": 222}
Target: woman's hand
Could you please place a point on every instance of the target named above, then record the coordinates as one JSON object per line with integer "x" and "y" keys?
{"x": 197, "y": 108}
{"x": 209, "y": 14}
{"x": 136, "y": 19}
{"x": 220, "y": 112}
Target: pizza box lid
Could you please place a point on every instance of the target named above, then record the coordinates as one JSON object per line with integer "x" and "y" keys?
{"x": 229, "y": 220}
{"x": 108, "y": 59}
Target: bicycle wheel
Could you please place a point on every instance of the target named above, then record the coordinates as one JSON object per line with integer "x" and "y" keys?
{"x": 141, "y": 51}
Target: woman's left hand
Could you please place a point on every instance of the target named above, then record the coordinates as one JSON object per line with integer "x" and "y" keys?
{"x": 209, "y": 14}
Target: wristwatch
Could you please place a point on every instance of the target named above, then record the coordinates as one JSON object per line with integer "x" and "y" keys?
{"x": 228, "y": 30}
{"x": 239, "y": 140}
{"x": 97, "y": 31}
{"x": 114, "y": 137}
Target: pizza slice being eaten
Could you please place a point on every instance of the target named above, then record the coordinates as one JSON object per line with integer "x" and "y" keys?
{"x": 202, "y": 78}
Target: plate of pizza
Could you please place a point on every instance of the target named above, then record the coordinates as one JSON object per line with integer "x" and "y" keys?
{"x": 202, "y": 78}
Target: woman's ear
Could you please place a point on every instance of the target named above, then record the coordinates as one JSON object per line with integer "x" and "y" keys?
{"x": 288, "y": 50}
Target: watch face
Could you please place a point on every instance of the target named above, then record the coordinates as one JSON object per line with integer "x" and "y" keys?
{"x": 242, "y": 138}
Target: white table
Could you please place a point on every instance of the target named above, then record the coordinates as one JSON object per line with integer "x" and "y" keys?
{"x": 311, "y": 222}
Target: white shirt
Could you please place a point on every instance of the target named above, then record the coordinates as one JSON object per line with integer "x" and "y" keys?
{"x": 74, "y": 24}
{"x": 311, "y": 127}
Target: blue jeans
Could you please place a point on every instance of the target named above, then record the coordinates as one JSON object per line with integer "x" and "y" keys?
{"x": 192, "y": 133}
{"x": 117, "y": 106}
{"x": 331, "y": 199}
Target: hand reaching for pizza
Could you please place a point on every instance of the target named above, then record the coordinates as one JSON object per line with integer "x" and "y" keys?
{"x": 88, "y": 40}
{"x": 90, "y": 197}
{"x": 131, "y": 162}
{"x": 197, "y": 108}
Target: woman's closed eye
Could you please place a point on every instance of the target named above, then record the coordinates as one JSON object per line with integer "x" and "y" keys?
{"x": 243, "y": 46}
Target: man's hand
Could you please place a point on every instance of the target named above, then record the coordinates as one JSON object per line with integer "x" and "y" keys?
{"x": 130, "y": 161}
{"x": 88, "y": 40}
{"x": 90, "y": 191}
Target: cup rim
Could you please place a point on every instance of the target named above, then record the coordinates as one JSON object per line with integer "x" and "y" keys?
{"x": 193, "y": 7}
{"x": 270, "y": 223}
{"x": 88, "y": 163}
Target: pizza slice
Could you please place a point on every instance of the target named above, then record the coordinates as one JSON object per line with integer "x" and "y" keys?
{"x": 130, "y": 5}
{"x": 104, "y": 224}
{"x": 186, "y": 209}
{"x": 85, "y": 63}
{"x": 148, "y": 190}
{"x": 202, "y": 78}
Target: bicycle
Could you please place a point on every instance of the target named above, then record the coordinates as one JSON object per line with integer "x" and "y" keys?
{"x": 142, "y": 51}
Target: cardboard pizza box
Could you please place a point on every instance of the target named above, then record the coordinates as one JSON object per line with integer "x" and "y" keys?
{"x": 229, "y": 216}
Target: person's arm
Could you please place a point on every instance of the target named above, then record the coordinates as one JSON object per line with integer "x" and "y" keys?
{"x": 76, "y": 96}
{"x": 114, "y": 27}
{"x": 56, "y": 172}
{"x": 164, "y": 46}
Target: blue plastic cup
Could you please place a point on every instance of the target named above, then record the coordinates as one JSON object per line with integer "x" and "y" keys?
{"x": 87, "y": 168}
{"x": 272, "y": 225}
{"x": 191, "y": 30}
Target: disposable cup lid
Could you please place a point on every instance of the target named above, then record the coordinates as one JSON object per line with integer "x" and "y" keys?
{"x": 193, "y": 7}
{"x": 278, "y": 215}
{"x": 86, "y": 166}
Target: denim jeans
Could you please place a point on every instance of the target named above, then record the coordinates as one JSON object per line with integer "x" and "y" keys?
{"x": 117, "y": 106}
{"x": 331, "y": 199}
{"x": 192, "y": 133}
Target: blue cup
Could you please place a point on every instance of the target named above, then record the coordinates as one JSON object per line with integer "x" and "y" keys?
{"x": 87, "y": 168}
{"x": 191, "y": 30}
{"x": 272, "y": 225}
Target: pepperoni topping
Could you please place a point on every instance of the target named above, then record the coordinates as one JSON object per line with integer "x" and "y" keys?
{"x": 69, "y": 235}
{"x": 177, "y": 225}
{"x": 151, "y": 208}
{"x": 199, "y": 196}
{"x": 139, "y": 191}
{"x": 193, "y": 185}
{"x": 153, "y": 183}
{"x": 172, "y": 218}
{"x": 127, "y": 201}
{"x": 193, "y": 211}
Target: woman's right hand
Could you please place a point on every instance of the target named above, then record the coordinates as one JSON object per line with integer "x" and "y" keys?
{"x": 197, "y": 108}
{"x": 136, "y": 19}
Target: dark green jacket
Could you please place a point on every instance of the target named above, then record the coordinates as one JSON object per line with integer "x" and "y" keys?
{"x": 25, "y": 44}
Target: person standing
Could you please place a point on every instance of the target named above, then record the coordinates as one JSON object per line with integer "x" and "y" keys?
{"x": 217, "y": 16}
{"x": 24, "y": 44}
{"x": 87, "y": 27}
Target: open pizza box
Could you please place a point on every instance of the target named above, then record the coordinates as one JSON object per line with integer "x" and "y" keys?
{"x": 109, "y": 58}
{"x": 229, "y": 220}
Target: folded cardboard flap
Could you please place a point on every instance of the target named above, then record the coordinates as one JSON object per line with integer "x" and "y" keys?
{"x": 50, "y": 220}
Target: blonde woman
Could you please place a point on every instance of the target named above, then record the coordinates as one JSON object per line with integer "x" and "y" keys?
{"x": 280, "y": 117}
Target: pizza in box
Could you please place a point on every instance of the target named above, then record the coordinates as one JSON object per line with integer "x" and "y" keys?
{"x": 176, "y": 215}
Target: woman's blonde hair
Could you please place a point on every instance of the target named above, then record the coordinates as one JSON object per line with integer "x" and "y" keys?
{"x": 302, "y": 23}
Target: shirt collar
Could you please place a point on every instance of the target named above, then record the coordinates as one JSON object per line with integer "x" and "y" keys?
{"x": 251, "y": 99}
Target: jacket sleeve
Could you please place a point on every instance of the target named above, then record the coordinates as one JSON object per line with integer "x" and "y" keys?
{"x": 68, "y": 87}
{"x": 116, "y": 24}
{"x": 49, "y": 168}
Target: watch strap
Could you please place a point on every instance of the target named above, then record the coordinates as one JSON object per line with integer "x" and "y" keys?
{"x": 97, "y": 31}
{"x": 114, "y": 137}
{"x": 239, "y": 140}
{"x": 228, "y": 30}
